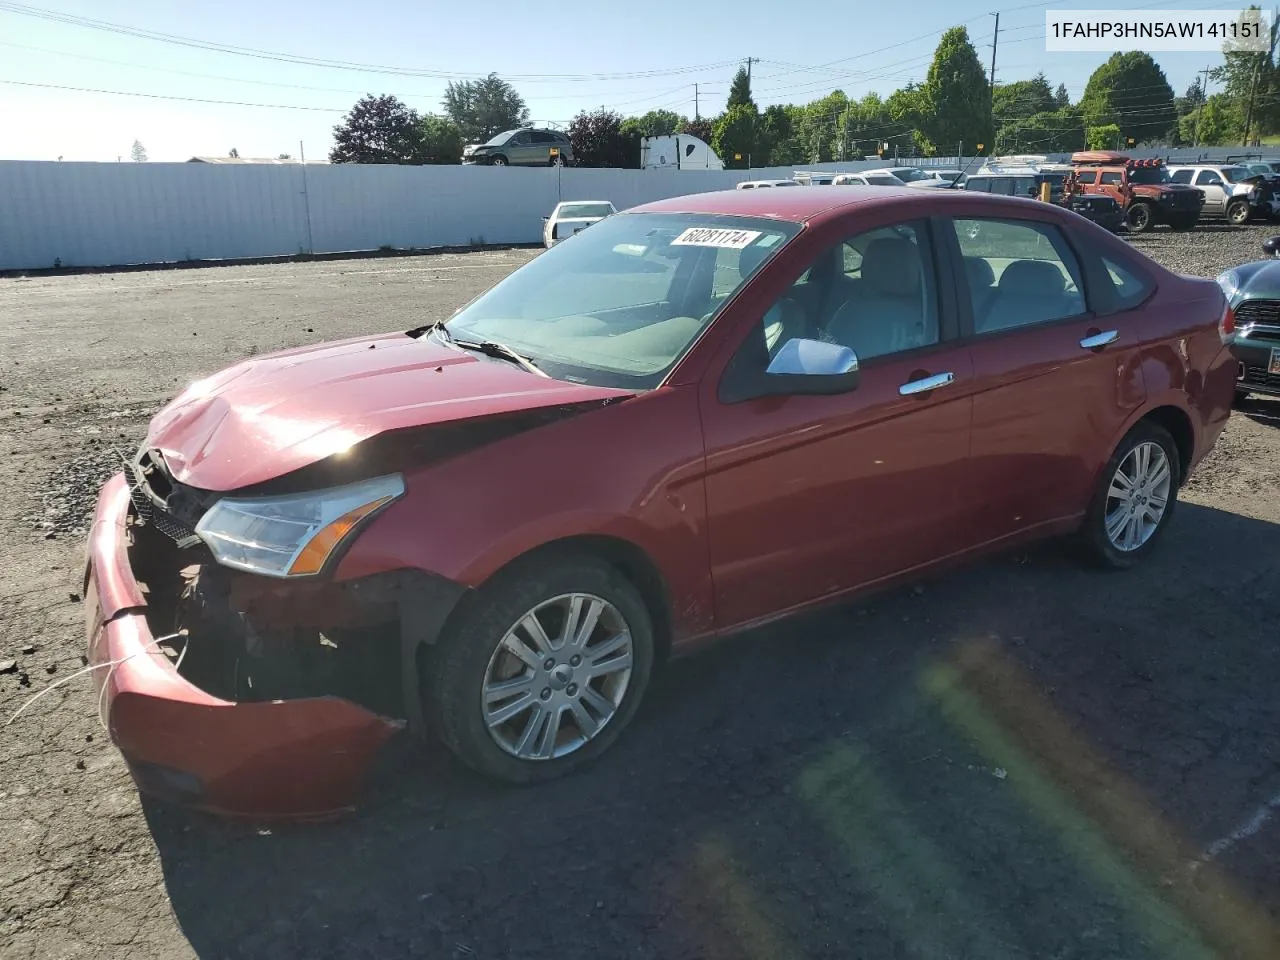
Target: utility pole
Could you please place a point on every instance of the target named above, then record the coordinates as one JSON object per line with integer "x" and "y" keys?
{"x": 751, "y": 138}
{"x": 695, "y": 103}
{"x": 1204, "y": 99}
{"x": 995, "y": 40}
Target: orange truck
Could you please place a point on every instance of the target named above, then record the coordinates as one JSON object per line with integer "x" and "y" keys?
{"x": 1141, "y": 187}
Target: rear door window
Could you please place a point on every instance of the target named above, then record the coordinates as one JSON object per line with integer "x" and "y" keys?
{"x": 1019, "y": 272}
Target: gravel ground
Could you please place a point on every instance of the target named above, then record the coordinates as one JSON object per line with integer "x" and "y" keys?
{"x": 1022, "y": 759}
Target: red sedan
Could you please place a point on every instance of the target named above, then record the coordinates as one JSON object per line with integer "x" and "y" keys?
{"x": 695, "y": 416}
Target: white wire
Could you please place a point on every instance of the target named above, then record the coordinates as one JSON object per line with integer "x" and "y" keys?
{"x": 89, "y": 669}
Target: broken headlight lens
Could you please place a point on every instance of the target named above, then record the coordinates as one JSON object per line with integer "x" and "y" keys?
{"x": 292, "y": 535}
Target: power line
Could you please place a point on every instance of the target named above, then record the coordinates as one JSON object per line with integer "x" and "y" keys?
{"x": 161, "y": 96}
{"x": 176, "y": 39}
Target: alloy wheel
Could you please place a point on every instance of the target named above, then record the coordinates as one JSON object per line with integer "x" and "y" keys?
{"x": 1138, "y": 497}
{"x": 557, "y": 677}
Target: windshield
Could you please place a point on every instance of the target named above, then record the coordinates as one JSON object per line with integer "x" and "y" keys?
{"x": 623, "y": 302}
{"x": 908, "y": 174}
{"x": 570, "y": 211}
{"x": 1149, "y": 175}
{"x": 500, "y": 139}
{"x": 1236, "y": 174}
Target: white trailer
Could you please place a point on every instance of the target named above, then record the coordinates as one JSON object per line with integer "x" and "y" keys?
{"x": 680, "y": 151}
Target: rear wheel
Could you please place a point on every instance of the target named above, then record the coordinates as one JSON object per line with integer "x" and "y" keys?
{"x": 543, "y": 671}
{"x": 1139, "y": 217}
{"x": 1238, "y": 212}
{"x": 1135, "y": 497}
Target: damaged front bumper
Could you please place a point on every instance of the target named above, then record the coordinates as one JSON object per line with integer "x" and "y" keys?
{"x": 304, "y": 758}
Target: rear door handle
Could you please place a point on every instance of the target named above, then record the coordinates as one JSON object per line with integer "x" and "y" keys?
{"x": 1100, "y": 339}
{"x": 925, "y": 384}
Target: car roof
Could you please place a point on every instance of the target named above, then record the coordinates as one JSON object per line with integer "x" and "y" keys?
{"x": 798, "y": 206}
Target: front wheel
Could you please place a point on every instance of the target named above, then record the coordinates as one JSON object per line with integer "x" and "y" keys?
{"x": 543, "y": 670}
{"x": 1139, "y": 218}
{"x": 1238, "y": 212}
{"x": 498, "y": 161}
{"x": 1135, "y": 497}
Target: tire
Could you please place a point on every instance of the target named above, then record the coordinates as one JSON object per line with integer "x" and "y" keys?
{"x": 498, "y": 161}
{"x": 462, "y": 665}
{"x": 1098, "y": 545}
{"x": 1238, "y": 212}
{"x": 1139, "y": 217}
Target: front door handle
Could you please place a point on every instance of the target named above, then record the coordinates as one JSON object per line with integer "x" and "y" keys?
{"x": 1094, "y": 341}
{"x": 925, "y": 384}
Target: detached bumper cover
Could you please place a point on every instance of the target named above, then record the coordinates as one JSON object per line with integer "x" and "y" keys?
{"x": 285, "y": 759}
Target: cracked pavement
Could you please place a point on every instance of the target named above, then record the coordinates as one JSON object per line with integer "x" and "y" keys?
{"x": 1023, "y": 758}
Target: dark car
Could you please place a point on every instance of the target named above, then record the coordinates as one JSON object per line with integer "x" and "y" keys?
{"x": 526, "y": 147}
{"x": 699, "y": 415}
{"x": 1102, "y": 210}
{"x": 1251, "y": 321}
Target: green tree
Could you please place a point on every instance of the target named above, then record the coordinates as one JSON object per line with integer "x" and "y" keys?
{"x": 1210, "y": 125}
{"x": 1059, "y": 131}
{"x": 441, "y": 140}
{"x": 1251, "y": 84}
{"x": 1131, "y": 91}
{"x": 817, "y": 129}
{"x": 956, "y": 102}
{"x": 740, "y": 91}
{"x": 776, "y": 136}
{"x": 1024, "y": 98}
{"x": 598, "y": 140}
{"x": 484, "y": 108}
{"x": 1061, "y": 97}
{"x": 908, "y": 111}
{"x": 655, "y": 123}
{"x": 701, "y": 128}
{"x": 378, "y": 130}
{"x": 732, "y": 136}
{"x": 1104, "y": 137}
{"x": 138, "y": 152}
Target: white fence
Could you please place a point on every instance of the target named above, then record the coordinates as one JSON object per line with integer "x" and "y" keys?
{"x": 100, "y": 214}
{"x": 110, "y": 214}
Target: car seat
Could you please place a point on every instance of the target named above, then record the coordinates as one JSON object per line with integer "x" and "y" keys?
{"x": 1029, "y": 291}
{"x": 888, "y": 314}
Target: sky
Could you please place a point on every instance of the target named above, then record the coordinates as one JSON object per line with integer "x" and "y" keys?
{"x": 562, "y": 57}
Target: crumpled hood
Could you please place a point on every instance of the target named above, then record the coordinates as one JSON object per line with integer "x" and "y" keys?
{"x": 273, "y": 414}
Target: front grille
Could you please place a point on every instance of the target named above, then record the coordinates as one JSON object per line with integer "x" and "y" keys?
{"x": 1186, "y": 199}
{"x": 148, "y": 498}
{"x": 1258, "y": 376}
{"x": 1260, "y": 311}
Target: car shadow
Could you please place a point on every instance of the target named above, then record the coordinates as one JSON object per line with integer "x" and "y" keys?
{"x": 1261, "y": 410}
{"x": 1025, "y": 758}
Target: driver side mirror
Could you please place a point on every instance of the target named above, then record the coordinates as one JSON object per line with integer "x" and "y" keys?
{"x": 811, "y": 367}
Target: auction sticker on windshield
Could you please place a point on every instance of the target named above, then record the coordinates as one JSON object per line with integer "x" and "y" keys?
{"x": 713, "y": 237}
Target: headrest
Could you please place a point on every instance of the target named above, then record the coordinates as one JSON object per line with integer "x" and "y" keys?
{"x": 979, "y": 272}
{"x": 892, "y": 266}
{"x": 1032, "y": 278}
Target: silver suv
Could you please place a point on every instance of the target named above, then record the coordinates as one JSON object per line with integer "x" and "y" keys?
{"x": 1230, "y": 190}
{"x": 526, "y": 147}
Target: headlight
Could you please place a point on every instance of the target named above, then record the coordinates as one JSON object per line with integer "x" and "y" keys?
{"x": 1229, "y": 281}
{"x": 292, "y": 535}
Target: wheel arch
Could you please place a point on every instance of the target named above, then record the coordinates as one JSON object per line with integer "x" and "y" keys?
{"x": 627, "y": 557}
{"x": 1178, "y": 423}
